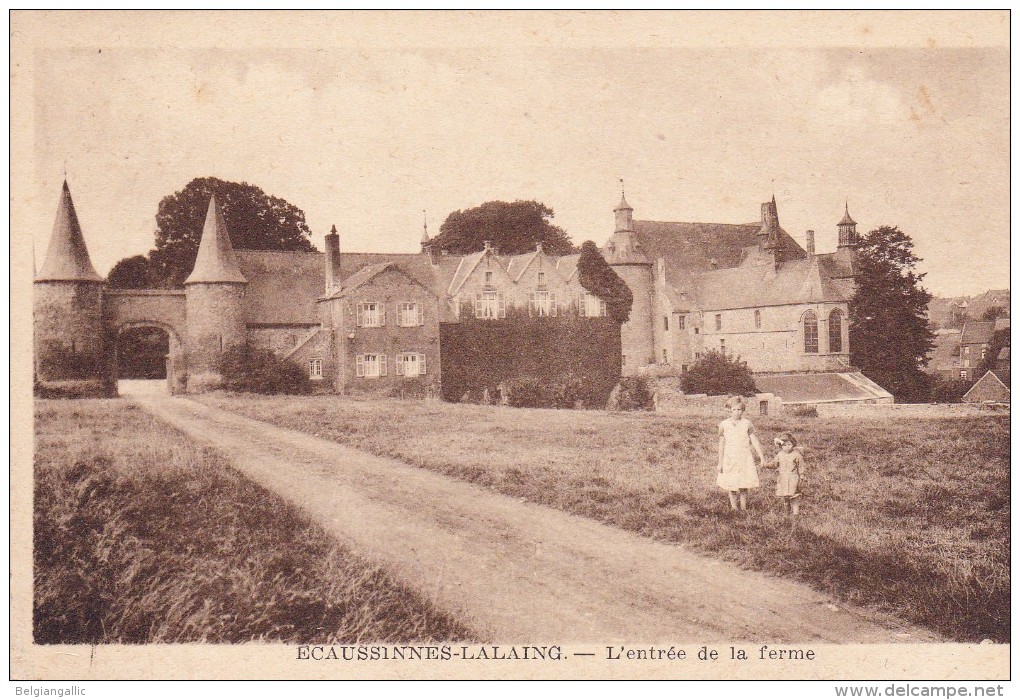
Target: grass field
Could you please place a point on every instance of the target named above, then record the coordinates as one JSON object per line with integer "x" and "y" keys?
{"x": 141, "y": 536}
{"x": 910, "y": 516}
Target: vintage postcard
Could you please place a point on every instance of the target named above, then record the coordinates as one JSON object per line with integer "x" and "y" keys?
{"x": 434, "y": 345}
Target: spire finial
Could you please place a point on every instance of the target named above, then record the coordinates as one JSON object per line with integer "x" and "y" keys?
{"x": 424, "y": 225}
{"x": 332, "y": 230}
{"x": 623, "y": 191}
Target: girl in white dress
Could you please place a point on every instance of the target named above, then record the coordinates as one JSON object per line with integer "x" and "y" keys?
{"x": 737, "y": 470}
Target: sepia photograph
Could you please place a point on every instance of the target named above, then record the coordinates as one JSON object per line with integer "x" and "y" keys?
{"x": 541, "y": 345}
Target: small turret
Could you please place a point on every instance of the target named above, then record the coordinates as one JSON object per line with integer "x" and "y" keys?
{"x": 847, "y": 229}
{"x": 214, "y": 301}
{"x": 623, "y": 253}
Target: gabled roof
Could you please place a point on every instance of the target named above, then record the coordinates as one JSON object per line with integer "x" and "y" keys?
{"x": 67, "y": 258}
{"x": 992, "y": 380}
{"x": 977, "y": 332}
{"x": 567, "y": 265}
{"x": 370, "y": 272}
{"x": 748, "y": 286}
{"x": 467, "y": 265}
{"x": 946, "y": 352}
{"x": 517, "y": 264}
{"x": 215, "y": 261}
{"x": 283, "y": 286}
{"x": 692, "y": 247}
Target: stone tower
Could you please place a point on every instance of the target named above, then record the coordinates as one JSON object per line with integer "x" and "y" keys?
{"x": 68, "y": 306}
{"x": 623, "y": 253}
{"x": 213, "y": 299}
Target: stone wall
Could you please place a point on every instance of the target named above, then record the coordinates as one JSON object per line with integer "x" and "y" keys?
{"x": 215, "y": 321}
{"x": 70, "y": 340}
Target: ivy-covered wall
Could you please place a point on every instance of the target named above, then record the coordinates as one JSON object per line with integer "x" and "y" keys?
{"x": 479, "y": 354}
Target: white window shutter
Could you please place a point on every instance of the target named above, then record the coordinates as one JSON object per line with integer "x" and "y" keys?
{"x": 552, "y": 304}
{"x": 382, "y": 314}
{"x": 359, "y": 365}
{"x": 400, "y": 365}
{"x": 502, "y": 306}
{"x": 361, "y": 316}
{"x": 581, "y": 305}
{"x": 531, "y": 304}
{"x": 382, "y": 365}
{"x": 421, "y": 315}
{"x": 478, "y": 305}
{"x": 421, "y": 363}
{"x": 602, "y": 308}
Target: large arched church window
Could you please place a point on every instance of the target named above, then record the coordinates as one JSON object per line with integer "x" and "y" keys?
{"x": 836, "y": 331}
{"x": 810, "y": 332}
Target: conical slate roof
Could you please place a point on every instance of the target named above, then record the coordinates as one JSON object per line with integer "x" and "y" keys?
{"x": 846, "y": 216}
{"x": 215, "y": 261}
{"x": 67, "y": 258}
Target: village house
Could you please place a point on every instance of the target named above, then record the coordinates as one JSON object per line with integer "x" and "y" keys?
{"x": 360, "y": 320}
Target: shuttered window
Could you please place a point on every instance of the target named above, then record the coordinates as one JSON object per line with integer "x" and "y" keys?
{"x": 370, "y": 366}
{"x": 590, "y": 305}
{"x": 542, "y": 303}
{"x": 410, "y": 314}
{"x": 371, "y": 314}
{"x": 490, "y": 305}
{"x": 411, "y": 364}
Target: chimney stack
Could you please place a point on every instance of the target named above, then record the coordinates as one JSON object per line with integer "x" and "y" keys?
{"x": 332, "y": 261}
{"x": 810, "y": 242}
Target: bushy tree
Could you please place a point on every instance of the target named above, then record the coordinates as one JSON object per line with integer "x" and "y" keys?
{"x": 512, "y": 227}
{"x": 131, "y": 273}
{"x": 889, "y": 334}
{"x": 255, "y": 220}
{"x": 1000, "y": 340}
{"x": 716, "y": 374}
{"x": 595, "y": 275}
{"x": 260, "y": 371}
{"x": 994, "y": 312}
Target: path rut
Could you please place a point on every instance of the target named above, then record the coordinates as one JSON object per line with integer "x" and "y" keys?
{"x": 518, "y": 572}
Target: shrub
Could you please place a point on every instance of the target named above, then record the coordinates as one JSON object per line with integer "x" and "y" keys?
{"x": 716, "y": 374}
{"x": 76, "y": 389}
{"x": 633, "y": 394}
{"x": 949, "y": 390}
{"x": 810, "y": 411}
{"x": 260, "y": 371}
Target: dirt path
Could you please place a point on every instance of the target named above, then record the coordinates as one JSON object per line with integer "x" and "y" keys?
{"x": 515, "y": 571}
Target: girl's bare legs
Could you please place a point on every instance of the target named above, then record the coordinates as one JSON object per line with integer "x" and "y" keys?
{"x": 795, "y": 506}
{"x": 733, "y": 499}
{"x": 743, "y": 499}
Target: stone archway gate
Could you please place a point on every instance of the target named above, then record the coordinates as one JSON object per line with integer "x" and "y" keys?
{"x": 160, "y": 308}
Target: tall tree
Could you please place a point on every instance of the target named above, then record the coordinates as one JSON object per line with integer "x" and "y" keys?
{"x": 889, "y": 335}
{"x": 595, "y": 275}
{"x": 255, "y": 220}
{"x": 512, "y": 227}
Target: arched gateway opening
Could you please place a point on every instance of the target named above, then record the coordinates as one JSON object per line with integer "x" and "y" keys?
{"x": 146, "y": 328}
{"x": 149, "y": 352}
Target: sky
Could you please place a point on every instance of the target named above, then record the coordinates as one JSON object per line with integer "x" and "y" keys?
{"x": 367, "y": 135}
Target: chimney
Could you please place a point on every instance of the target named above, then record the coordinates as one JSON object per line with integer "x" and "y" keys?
{"x": 810, "y": 242}
{"x": 488, "y": 245}
{"x": 332, "y": 261}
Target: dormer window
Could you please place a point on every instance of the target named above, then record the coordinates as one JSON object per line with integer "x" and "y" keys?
{"x": 541, "y": 279}
{"x": 488, "y": 277}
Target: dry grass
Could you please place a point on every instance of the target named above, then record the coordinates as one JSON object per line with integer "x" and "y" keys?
{"x": 907, "y": 515}
{"x": 142, "y": 536}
